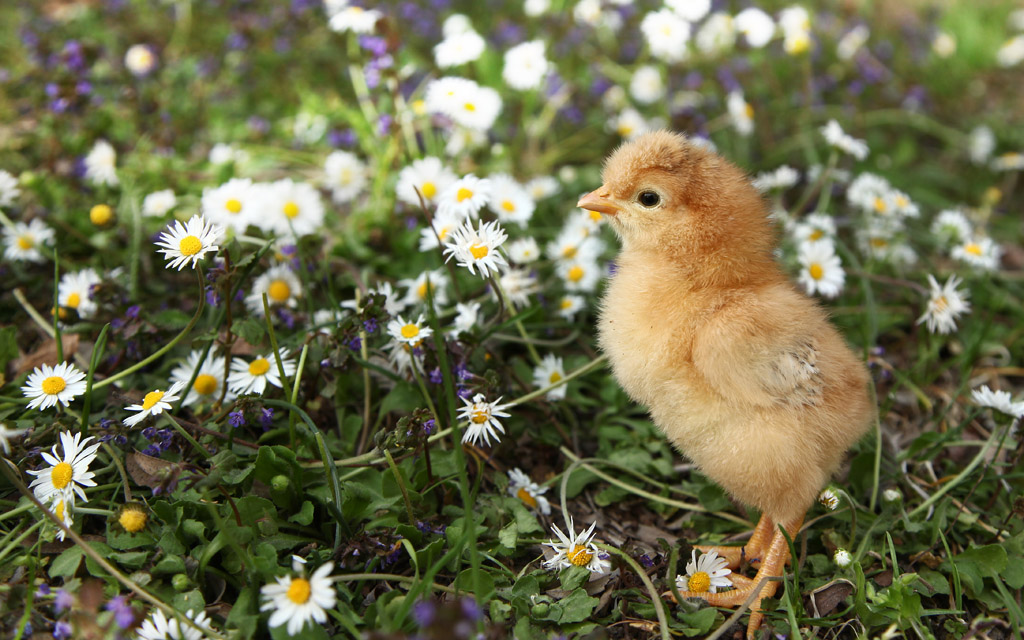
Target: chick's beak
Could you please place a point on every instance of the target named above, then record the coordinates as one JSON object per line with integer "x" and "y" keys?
{"x": 598, "y": 200}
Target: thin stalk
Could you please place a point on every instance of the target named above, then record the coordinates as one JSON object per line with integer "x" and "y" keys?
{"x": 188, "y": 436}
{"x": 401, "y": 485}
{"x": 659, "y": 604}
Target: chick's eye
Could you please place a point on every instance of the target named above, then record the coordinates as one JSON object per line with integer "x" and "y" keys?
{"x": 649, "y": 198}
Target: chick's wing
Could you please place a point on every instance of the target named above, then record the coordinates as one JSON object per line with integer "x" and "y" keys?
{"x": 755, "y": 354}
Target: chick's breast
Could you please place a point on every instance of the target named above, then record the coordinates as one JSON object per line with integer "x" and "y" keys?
{"x": 755, "y": 386}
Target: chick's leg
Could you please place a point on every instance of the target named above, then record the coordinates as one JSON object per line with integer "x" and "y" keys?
{"x": 752, "y": 551}
{"x": 773, "y": 564}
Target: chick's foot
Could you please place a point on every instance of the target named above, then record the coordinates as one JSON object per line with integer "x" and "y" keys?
{"x": 752, "y": 551}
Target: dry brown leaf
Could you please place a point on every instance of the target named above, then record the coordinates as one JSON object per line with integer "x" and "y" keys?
{"x": 826, "y": 598}
{"x": 46, "y": 354}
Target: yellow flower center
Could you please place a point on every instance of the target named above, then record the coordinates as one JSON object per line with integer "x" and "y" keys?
{"x": 233, "y": 205}
{"x": 74, "y": 300}
{"x": 555, "y": 377}
{"x": 419, "y": 107}
{"x": 580, "y": 556}
{"x": 151, "y": 399}
{"x": 879, "y": 243}
{"x": 190, "y": 245}
{"x": 291, "y": 209}
{"x": 469, "y": 106}
{"x": 901, "y": 201}
{"x": 421, "y": 291}
{"x": 480, "y": 416}
{"x": 595, "y": 216}
{"x": 940, "y": 303}
{"x": 53, "y": 385}
{"x": 463, "y": 194}
{"x": 443, "y": 233}
{"x": 259, "y": 367}
{"x": 410, "y": 331}
{"x": 299, "y": 590}
{"x": 880, "y": 205}
{"x": 799, "y": 44}
{"x": 479, "y": 251}
{"x": 817, "y": 234}
{"x": 569, "y": 252}
{"x": 429, "y": 189}
{"x": 60, "y": 476}
{"x": 133, "y": 519}
{"x": 816, "y": 271}
{"x": 748, "y": 110}
{"x": 205, "y": 384}
{"x": 345, "y": 177}
{"x": 100, "y": 214}
{"x": 973, "y": 248}
{"x": 527, "y": 499}
{"x": 25, "y": 242}
{"x": 508, "y": 205}
{"x": 699, "y": 582}
{"x": 279, "y": 291}
{"x": 624, "y": 130}
{"x": 59, "y": 509}
{"x": 575, "y": 274}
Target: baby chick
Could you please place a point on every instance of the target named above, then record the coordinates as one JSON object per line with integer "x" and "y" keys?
{"x": 743, "y": 373}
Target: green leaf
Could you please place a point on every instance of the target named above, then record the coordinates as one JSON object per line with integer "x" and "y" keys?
{"x": 573, "y": 577}
{"x": 482, "y": 588}
{"x": 189, "y": 600}
{"x": 978, "y": 563}
{"x": 250, "y": 329}
{"x": 305, "y": 514}
{"x": 698, "y": 622}
{"x": 170, "y": 564}
{"x": 8, "y": 346}
{"x": 577, "y": 607}
{"x": 508, "y": 535}
{"x": 66, "y": 564}
{"x": 131, "y": 559}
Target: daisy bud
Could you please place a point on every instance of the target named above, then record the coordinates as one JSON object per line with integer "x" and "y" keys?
{"x": 892, "y": 496}
{"x": 829, "y": 499}
{"x": 101, "y": 215}
{"x": 842, "y": 558}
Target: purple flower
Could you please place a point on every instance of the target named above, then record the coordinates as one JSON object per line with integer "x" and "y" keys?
{"x": 123, "y": 613}
{"x": 424, "y": 612}
{"x": 342, "y": 138}
{"x": 384, "y": 124}
{"x": 43, "y": 590}
{"x": 428, "y": 426}
{"x": 62, "y": 630}
{"x": 471, "y": 609}
{"x": 132, "y": 312}
{"x": 266, "y": 416}
{"x": 646, "y": 561}
{"x": 355, "y": 344}
{"x": 376, "y": 45}
{"x": 236, "y": 419}
{"x": 370, "y": 325}
{"x": 435, "y": 375}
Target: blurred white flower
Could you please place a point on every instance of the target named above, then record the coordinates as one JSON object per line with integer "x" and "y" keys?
{"x": 309, "y": 128}
{"x": 518, "y": 285}
{"x": 222, "y": 153}
{"x": 579, "y": 275}
{"x": 355, "y": 19}
{"x": 951, "y": 226}
{"x": 6, "y": 435}
{"x": 75, "y": 291}
{"x": 456, "y": 24}
{"x": 979, "y": 252}
{"x": 782, "y": 178}
{"x": 209, "y": 381}
{"x": 465, "y": 197}
{"x": 99, "y": 164}
{"x": 630, "y": 124}
{"x": 443, "y": 223}
{"x": 9, "y": 190}
{"x": 510, "y": 200}
{"x": 842, "y": 558}
{"x": 796, "y": 30}
{"x": 467, "y": 103}
{"x": 523, "y": 250}
{"x": 534, "y": 8}
{"x": 154, "y": 403}
{"x": 1011, "y": 53}
{"x": 525, "y": 66}
{"x": 690, "y": 10}
{"x": 646, "y": 85}
{"x": 815, "y": 227}
{"x": 757, "y": 27}
{"x": 667, "y": 35}
{"x": 550, "y": 371}
{"x": 292, "y": 208}
{"x": 434, "y": 283}
{"x": 542, "y": 187}
{"x": 428, "y": 175}
{"x": 458, "y": 49}
{"x": 945, "y": 304}
{"x": 980, "y": 144}
{"x": 466, "y": 317}
{"x": 944, "y": 44}
{"x": 1011, "y": 161}
{"x": 233, "y": 204}
{"x": 741, "y": 113}
{"x": 851, "y": 43}
{"x": 159, "y": 627}
{"x": 140, "y": 59}
{"x": 569, "y": 305}
{"x": 1001, "y": 401}
{"x": 282, "y": 287}
{"x": 531, "y": 493}
{"x": 345, "y": 175}
{"x": 158, "y": 203}
{"x": 23, "y": 240}
{"x": 836, "y": 137}
{"x": 717, "y": 35}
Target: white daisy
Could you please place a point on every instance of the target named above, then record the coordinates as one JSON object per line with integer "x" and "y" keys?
{"x": 466, "y": 317}
{"x": 518, "y": 285}
{"x": 1001, "y": 401}
{"x": 48, "y": 385}
{"x": 464, "y": 101}
{"x": 981, "y": 142}
{"x": 410, "y": 333}
{"x": 852, "y": 41}
{"x": 189, "y": 242}
{"x": 417, "y": 288}
{"x": 345, "y": 175}
{"x": 780, "y": 179}
{"x": 252, "y": 377}
{"x": 708, "y": 573}
{"x": 233, "y": 204}
{"x": 523, "y": 250}
{"x": 458, "y": 49}
{"x": 99, "y": 164}
{"x": 574, "y": 242}
{"x": 690, "y": 10}
{"x": 154, "y": 403}
{"x": 569, "y": 305}
{"x": 282, "y": 287}
{"x": 293, "y": 208}
{"x": 757, "y": 27}
{"x": 836, "y": 137}
{"x": 829, "y": 499}
{"x": 441, "y": 226}
{"x": 579, "y": 275}
{"x": 740, "y": 112}
{"x": 465, "y": 197}
{"x": 63, "y": 505}
{"x": 629, "y": 124}
{"x": 298, "y": 600}
{"x": 461, "y": 139}
{"x": 822, "y": 270}
{"x": 393, "y": 303}
{"x": 815, "y": 227}
{"x": 355, "y": 19}
{"x": 428, "y": 175}
{"x": 482, "y": 417}
{"x": 868, "y": 192}
{"x": 75, "y": 291}
{"x": 9, "y": 190}
{"x": 531, "y": 493}
{"x": 309, "y": 128}
{"x": 510, "y": 201}
{"x": 717, "y": 35}
{"x": 543, "y": 187}
{"x": 455, "y": 24}
{"x": 140, "y": 59}
{"x": 158, "y": 627}
{"x": 66, "y": 475}
{"x": 667, "y": 35}
{"x": 6, "y": 435}
{"x": 952, "y": 226}
{"x": 1011, "y": 53}
{"x": 209, "y": 381}
{"x": 477, "y": 249}
{"x": 222, "y": 153}
{"x": 158, "y": 203}
{"x": 945, "y": 305}
{"x": 980, "y": 252}
{"x": 550, "y": 371}
{"x": 525, "y": 66}
{"x": 576, "y": 551}
{"x": 1010, "y": 161}
{"x": 646, "y": 85}
{"x": 23, "y": 240}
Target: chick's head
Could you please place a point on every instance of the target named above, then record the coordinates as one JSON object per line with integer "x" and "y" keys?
{"x": 665, "y": 195}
